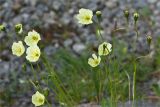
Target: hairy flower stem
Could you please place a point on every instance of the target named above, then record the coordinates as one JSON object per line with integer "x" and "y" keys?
{"x": 134, "y": 83}
{"x": 129, "y": 85}
{"x": 135, "y": 67}
{"x": 97, "y": 24}
{"x": 34, "y": 72}
{"x": 58, "y": 83}
{"x": 99, "y": 30}
{"x": 100, "y": 85}
{"x": 37, "y": 86}
{"x": 49, "y": 105}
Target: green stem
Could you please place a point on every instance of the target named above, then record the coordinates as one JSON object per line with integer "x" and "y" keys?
{"x": 129, "y": 85}
{"x": 100, "y": 85}
{"x": 99, "y": 29}
{"x": 34, "y": 72}
{"x": 58, "y": 83}
{"x": 49, "y": 105}
{"x": 135, "y": 66}
{"x": 134, "y": 83}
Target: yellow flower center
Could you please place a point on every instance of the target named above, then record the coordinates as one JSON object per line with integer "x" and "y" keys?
{"x": 34, "y": 38}
{"x": 19, "y": 50}
{"x": 40, "y": 100}
{"x": 96, "y": 61}
{"x": 36, "y": 54}
{"x": 87, "y": 18}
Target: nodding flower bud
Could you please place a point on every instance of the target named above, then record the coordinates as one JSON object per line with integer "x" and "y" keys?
{"x": 136, "y": 16}
{"x": 18, "y": 28}
{"x": 126, "y": 14}
{"x": 99, "y": 15}
{"x": 149, "y": 39}
{"x": 36, "y": 83}
{"x": 46, "y": 91}
{"x": 2, "y": 28}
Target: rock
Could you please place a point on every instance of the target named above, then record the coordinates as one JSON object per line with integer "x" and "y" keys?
{"x": 111, "y": 4}
{"x": 17, "y": 19}
{"x": 50, "y": 50}
{"x": 158, "y": 5}
{"x": 89, "y": 105}
{"x": 68, "y": 42}
{"x": 66, "y": 19}
{"x": 32, "y": 2}
{"x": 56, "y": 5}
{"x": 4, "y": 67}
{"x": 152, "y": 1}
{"x": 25, "y": 17}
{"x": 49, "y": 19}
{"x": 78, "y": 47}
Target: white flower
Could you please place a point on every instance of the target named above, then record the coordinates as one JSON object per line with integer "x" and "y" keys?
{"x": 33, "y": 53}
{"x": 32, "y": 38}
{"x": 104, "y": 48}
{"x": 85, "y": 16}
{"x": 94, "y": 61}
{"x": 38, "y": 99}
{"x": 18, "y": 48}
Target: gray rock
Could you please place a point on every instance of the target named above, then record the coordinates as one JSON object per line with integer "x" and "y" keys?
{"x": 152, "y": 1}
{"x": 4, "y": 67}
{"x": 68, "y": 42}
{"x": 158, "y": 5}
{"x": 50, "y": 50}
{"x": 78, "y": 47}
{"x": 48, "y": 18}
{"x": 25, "y": 17}
{"x": 66, "y": 19}
{"x": 111, "y": 4}
{"x": 56, "y": 4}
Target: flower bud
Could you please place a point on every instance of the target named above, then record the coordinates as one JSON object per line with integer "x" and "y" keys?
{"x": 46, "y": 91}
{"x": 18, "y": 28}
{"x": 2, "y": 28}
{"x": 36, "y": 83}
{"x": 99, "y": 15}
{"x": 149, "y": 39}
{"x": 126, "y": 14}
{"x": 135, "y": 16}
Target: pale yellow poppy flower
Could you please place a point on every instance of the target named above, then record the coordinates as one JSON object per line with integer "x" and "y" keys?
{"x": 18, "y": 48}
{"x": 104, "y": 48}
{"x": 94, "y": 61}
{"x": 38, "y": 99}
{"x": 85, "y": 16}
{"x": 33, "y": 53}
{"x": 32, "y": 38}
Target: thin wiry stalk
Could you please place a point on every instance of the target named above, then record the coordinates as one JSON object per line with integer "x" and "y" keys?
{"x": 135, "y": 65}
{"x": 58, "y": 83}
{"x": 134, "y": 83}
{"x": 129, "y": 85}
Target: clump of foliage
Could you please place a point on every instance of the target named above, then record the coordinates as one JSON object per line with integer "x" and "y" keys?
{"x": 109, "y": 76}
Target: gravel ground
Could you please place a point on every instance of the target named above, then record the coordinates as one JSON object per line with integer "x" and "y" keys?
{"x": 54, "y": 19}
